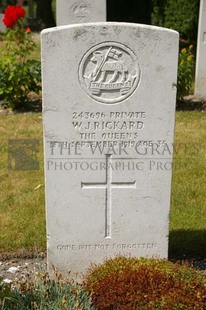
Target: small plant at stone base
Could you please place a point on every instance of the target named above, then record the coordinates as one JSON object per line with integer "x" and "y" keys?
{"x": 185, "y": 72}
{"x": 42, "y": 292}
{"x": 7, "y": 296}
{"x": 19, "y": 75}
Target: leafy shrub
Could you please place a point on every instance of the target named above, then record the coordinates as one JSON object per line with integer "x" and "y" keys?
{"x": 185, "y": 72}
{"x": 19, "y": 75}
{"x": 181, "y": 15}
{"x": 130, "y": 283}
{"x": 158, "y": 14}
{"x": 43, "y": 293}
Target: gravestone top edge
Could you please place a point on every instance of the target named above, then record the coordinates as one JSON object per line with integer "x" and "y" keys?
{"x": 105, "y": 24}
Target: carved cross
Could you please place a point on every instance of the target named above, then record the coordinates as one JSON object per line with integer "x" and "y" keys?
{"x": 108, "y": 185}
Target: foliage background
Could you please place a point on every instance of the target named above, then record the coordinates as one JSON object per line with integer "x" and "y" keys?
{"x": 180, "y": 15}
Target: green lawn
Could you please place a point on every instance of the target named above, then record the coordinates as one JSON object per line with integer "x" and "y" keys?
{"x": 188, "y": 210}
{"x": 22, "y": 213}
{"x": 22, "y": 210}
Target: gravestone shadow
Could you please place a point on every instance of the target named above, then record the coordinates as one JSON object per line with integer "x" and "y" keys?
{"x": 187, "y": 244}
{"x": 191, "y": 103}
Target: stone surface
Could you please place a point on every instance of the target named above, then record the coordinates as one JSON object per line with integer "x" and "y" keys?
{"x": 2, "y": 26}
{"x": 109, "y": 95}
{"x": 80, "y": 11}
{"x": 200, "y": 79}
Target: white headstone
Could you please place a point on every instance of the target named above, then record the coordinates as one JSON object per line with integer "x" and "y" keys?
{"x": 200, "y": 79}
{"x": 80, "y": 11}
{"x": 109, "y": 93}
{"x": 2, "y": 26}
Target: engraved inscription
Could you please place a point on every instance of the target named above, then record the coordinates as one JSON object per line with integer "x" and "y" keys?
{"x": 109, "y": 72}
{"x": 108, "y": 185}
{"x": 107, "y": 246}
{"x": 81, "y": 11}
{"x": 111, "y": 128}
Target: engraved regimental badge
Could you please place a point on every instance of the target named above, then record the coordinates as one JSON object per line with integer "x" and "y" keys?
{"x": 81, "y": 11}
{"x": 109, "y": 72}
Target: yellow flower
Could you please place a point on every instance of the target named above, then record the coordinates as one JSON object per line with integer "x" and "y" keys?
{"x": 189, "y": 58}
{"x": 191, "y": 46}
{"x": 184, "y": 51}
{"x": 182, "y": 63}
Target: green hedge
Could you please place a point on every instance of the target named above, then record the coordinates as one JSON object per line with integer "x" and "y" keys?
{"x": 181, "y": 15}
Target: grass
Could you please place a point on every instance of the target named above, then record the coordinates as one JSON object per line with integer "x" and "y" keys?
{"x": 22, "y": 206}
{"x": 188, "y": 210}
{"x": 22, "y": 212}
